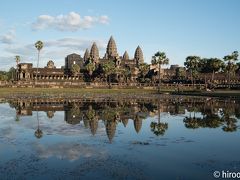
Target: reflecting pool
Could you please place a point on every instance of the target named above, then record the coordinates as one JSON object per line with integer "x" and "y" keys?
{"x": 169, "y": 137}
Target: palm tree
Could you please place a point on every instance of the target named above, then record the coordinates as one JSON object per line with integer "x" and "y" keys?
{"x": 192, "y": 64}
{"x": 230, "y": 67}
{"x": 159, "y": 58}
{"x": 39, "y": 46}
{"x": 17, "y": 59}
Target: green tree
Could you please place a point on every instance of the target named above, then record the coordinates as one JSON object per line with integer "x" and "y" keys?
{"x": 75, "y": 69}
{"x": 90, "y": 68}
{"x": 215, "y": 65}
{"x": 108, "y": 69}
{"x": 231, "y": 66}
{"x": 38, "y": 46}
{"x": 159, "y": 59}
{"x": 11, "y": 73}
{"x": 143, "y": 68}
{"x": 17, "y": 59}
{"x": 192, "y": 64}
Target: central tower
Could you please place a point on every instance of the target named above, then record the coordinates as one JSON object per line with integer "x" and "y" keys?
{"x": 111, "y": 52}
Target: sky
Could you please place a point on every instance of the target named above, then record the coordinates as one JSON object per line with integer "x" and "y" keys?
{"x": 207, "y": 28}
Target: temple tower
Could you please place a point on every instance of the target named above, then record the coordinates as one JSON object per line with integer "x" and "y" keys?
{"x": 111, "y": 52}
{"x": 94, "y": 53}
{"x": 86, "y": 55}
{"x": 125, "y": 56}
{"x": 138, "y": 56}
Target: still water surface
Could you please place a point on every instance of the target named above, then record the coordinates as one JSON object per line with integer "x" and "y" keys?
{"x": 164, "y": 138}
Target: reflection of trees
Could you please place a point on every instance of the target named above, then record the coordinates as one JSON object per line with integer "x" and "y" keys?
{"x": 92, "y": 119}
{"x": 229, "y": 119}
{"x": 158, "y": 128}
{"x": 211, "y": 119}
{"x": 50, "y": 114}
{"x": 38, "y": 133}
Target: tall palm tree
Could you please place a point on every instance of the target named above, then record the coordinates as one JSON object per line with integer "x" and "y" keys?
{"x": 39, "y": 46}
{"x": 192, "y": 64}
{"x": 17, "y": 59}
{"x": 159, "y": 58}
{"x": 230, "y": 60}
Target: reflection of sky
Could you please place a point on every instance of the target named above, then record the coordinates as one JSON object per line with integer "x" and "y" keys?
{"x": 67, "y": 150}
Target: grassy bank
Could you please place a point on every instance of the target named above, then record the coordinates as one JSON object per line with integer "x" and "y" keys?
{"x": 43, "y": 92}
{"x": 6, "y": 92}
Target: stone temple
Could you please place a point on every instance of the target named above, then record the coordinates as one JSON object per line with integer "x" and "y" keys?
{"x": 26, "y": 71}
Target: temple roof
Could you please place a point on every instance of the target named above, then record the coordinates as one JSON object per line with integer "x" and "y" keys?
{"x": 125, "y": 55}
{"x": 139, "y": 55}
{"x": 94, "y": 53}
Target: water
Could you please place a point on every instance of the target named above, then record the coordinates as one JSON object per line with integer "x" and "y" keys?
{"x": 165, "y": 138}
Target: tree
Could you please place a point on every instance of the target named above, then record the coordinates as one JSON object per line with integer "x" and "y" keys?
{"x": 90, "y": 67}
{"x": 215, "y": 65}
{"x": 11, "y": 73}
{"x": 108, "y": 69}
{"x": 39, "y": 46}
{"x": 159, "y": 59}
{"x": 230, "y": 66}
{"x": 75, "y": 69}
{"x": 143, "y": 68}
{"x": 17, "y": 59}
{"x": 192, "y": 64}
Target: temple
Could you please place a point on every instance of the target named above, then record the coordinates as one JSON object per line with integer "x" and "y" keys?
{"x": 77, "y": 67}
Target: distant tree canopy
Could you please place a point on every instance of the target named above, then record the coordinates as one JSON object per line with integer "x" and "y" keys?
{"x": 7, "y": 75}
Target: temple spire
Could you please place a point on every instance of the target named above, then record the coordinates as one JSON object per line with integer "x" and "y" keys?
{"x": 125, "y": 55}
{"x": 94, "y": 53}
{"x": 86, "y": 55}
{"x": 138, "y": 56}
{"x": 111, "y": 51}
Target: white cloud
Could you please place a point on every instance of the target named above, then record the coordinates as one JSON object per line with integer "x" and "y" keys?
{"x": 70, "y": 22}
{"x": 8, "y": 38}
{"x": 55, "y": 50}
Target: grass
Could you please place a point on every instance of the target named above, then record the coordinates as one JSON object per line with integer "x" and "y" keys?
{"x": 67, "y": 92}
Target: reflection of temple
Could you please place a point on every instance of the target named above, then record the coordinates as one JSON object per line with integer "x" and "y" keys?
{"x": 213, "y": 113}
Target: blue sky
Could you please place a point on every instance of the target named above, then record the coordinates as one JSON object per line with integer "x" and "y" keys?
{"x": 208, "y": 28}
